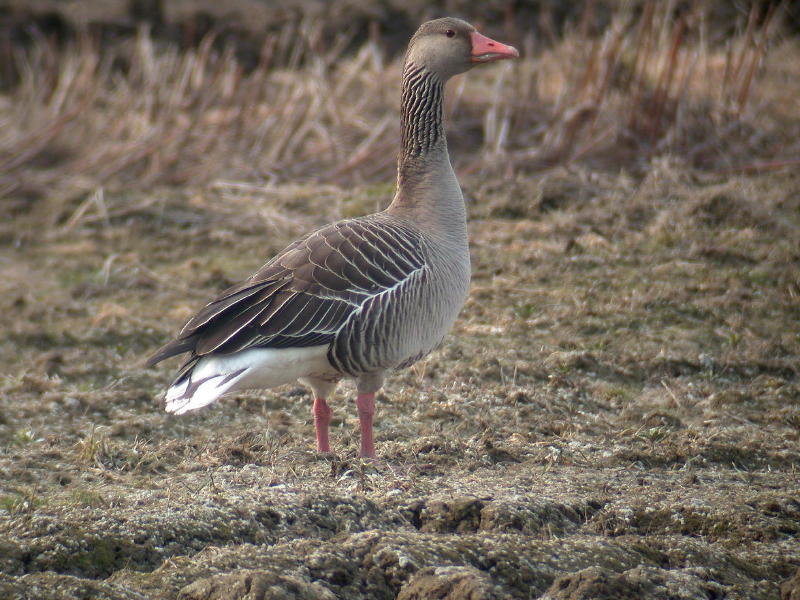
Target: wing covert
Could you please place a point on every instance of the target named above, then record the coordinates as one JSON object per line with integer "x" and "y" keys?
{"x": 304, "y": 295}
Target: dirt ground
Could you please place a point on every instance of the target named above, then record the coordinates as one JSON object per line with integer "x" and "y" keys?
{"x": 615, "y": 415}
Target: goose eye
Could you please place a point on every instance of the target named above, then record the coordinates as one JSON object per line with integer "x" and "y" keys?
{"x": 450, "y": 33}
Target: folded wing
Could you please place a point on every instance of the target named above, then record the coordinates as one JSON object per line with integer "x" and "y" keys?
{"x": 306, "y": 293}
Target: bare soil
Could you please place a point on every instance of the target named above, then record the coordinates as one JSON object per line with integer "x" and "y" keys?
{"x": 615, "y": 415}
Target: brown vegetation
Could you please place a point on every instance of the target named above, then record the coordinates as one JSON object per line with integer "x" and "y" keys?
{"x": 138, "y": 114}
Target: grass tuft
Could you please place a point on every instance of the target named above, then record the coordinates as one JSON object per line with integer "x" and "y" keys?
{"x": 21, "y": 502}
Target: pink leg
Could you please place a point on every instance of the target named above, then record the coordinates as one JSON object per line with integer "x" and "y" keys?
{"x": 322, "y": 419}
{"x": 366, "y": 410}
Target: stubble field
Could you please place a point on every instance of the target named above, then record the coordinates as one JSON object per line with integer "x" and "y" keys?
{"x": 616, "y": 413}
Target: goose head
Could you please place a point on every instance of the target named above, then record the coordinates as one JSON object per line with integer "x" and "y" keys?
{"x": 451, "y": 46}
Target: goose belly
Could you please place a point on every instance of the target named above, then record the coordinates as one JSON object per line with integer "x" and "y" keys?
{"x": 397, "y": 329}
{"x": 423, "y": 335}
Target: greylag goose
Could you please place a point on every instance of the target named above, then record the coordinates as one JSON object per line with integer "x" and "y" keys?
{"x": 362, "y": 296}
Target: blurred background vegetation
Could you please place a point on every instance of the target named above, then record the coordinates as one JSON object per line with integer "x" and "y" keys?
{"x": 134, "y": 94}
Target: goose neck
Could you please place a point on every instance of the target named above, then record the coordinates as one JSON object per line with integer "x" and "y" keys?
{"x": 421, "y": 131}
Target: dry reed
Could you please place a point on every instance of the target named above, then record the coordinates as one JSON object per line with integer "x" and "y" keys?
{"x": 145, "y": 114}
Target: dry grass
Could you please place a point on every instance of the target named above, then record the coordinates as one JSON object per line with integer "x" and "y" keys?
{"x": 625, "y": 370}
{"x": 77, "y": 121}
{"x": 143, "y": 114}
{"x": 627, "y": 358}
{"x": 627, "y": 352}
{"x": 650, "y": 86}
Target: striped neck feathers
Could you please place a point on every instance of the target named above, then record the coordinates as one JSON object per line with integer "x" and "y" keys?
{"x": 427, "y": 188}
{"x": 421, "y": 131}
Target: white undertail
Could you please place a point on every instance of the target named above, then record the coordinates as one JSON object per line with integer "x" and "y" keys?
{"x": 255, "y": 368}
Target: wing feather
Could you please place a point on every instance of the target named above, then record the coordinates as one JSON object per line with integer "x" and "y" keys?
{"x": 228, "y": 301}
{"x": 307, "y": 293}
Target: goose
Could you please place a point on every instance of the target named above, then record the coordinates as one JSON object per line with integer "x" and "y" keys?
{"x": 361, "y": 297}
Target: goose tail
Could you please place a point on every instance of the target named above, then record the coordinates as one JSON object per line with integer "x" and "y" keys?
{"x": 201, "y": 382}
{"x": 203, "y": 379}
